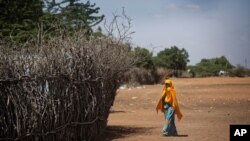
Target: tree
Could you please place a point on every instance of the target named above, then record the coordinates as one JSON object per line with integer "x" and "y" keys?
{"x": 24, "y": 20}
{"x": 211, "y": 67}
{"x": 144, "y": 58}
{"x": 172, "y": 58}
{"x": 223, "y": 62}
{"x": 75, "y": 15}
{"x": 19, "y": 19}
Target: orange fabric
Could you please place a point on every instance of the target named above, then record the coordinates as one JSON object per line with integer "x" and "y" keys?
{"x": 169, "y": 98}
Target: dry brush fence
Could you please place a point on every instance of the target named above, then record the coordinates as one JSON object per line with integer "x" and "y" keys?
{"x": 61, "y": 89}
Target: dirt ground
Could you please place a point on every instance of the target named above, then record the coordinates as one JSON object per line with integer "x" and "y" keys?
{"x": 209, "y": 106}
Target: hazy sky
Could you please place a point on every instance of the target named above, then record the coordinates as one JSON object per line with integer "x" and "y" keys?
{"x": 205, "y": 28}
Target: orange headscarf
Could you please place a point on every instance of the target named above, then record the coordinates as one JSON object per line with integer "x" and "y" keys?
{"x": 169, "y": 98}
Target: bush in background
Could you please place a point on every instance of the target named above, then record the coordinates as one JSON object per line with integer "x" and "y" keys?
{"x": 239, "y": 71}
{"x": 140, "y": 76}
{"x": 210, "y": 67}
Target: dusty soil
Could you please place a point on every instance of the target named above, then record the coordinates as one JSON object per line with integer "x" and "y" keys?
{"x": 209, "y": 106}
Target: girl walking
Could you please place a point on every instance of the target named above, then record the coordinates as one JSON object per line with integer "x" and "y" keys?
{"x": 169, "y": 106}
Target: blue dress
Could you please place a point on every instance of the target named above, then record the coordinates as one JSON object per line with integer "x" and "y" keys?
{"x": 169, "y": 128}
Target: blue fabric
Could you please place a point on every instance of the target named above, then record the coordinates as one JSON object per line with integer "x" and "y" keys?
{"x": 169, "y": 128}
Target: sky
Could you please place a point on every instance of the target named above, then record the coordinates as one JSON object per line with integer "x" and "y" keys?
{"x": 205, "y": 28}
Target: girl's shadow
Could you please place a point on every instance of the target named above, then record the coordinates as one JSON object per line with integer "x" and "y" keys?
{"x": 184, "y": 135}
{"x": 181, "y": 135}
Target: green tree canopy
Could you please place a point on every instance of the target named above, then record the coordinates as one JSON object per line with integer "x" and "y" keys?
{"x": 19, "y": 18}
{"x": 144, "y": 58}
{"x": 172, "y": 58}
{"x": 75, "y": 15}
{"x": 22, "y": 20}
{"x": 211, "y": 67}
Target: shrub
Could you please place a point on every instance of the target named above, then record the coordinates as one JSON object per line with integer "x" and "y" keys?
{"x": 239, "y": 71}
{"x": 140, "y": 76}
